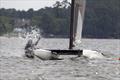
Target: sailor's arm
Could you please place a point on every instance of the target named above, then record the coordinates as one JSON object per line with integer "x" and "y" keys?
{"x": 37, "y": 41}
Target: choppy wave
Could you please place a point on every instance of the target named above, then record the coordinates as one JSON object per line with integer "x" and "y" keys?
{"x": 13, "y": 66}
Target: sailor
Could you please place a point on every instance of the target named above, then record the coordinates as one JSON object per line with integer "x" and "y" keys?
{"x": 29, "y": 48}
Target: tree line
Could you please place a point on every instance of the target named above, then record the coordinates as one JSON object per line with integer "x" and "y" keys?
{"x": 102, "y": 19}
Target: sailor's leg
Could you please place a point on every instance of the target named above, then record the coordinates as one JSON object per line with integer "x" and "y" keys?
{"x": 29, "y": 53}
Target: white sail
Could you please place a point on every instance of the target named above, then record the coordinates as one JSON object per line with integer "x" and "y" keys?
{"x": 78, "y": 33}
{"x": 78, "y": 20}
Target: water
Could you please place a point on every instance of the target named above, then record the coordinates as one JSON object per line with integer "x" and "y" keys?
{"x": 14, "y": 66}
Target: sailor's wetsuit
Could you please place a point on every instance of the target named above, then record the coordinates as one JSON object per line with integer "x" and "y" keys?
{"x": 29, "y": 49}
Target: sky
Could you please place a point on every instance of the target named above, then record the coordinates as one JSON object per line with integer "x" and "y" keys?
{"x": 27, "y": 4}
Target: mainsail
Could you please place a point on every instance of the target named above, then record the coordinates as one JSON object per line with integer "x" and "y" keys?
{"x": 78, "y": 11}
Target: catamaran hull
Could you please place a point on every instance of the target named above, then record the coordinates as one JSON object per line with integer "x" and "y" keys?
{"x": 91, "y": 54}
{"x": 54, "y": 54}
{"x": 43, "y": 54}
{"x": 46, "y": 54}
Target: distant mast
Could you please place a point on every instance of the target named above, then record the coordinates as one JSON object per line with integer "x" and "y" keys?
{"x": 77, "y": 17}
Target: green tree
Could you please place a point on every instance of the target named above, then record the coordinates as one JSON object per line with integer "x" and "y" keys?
{"x": 6, "y": 25}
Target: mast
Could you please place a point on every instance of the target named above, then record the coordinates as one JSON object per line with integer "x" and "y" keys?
{"x": 71, "y": 25}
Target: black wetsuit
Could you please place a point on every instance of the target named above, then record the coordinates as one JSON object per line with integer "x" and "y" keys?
{"x": 29, "y": 49}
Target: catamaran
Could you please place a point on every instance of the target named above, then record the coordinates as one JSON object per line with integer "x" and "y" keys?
{"x": 77, "y": 18}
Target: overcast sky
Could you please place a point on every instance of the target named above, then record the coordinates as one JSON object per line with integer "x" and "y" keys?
{"x": 26, "y": 4}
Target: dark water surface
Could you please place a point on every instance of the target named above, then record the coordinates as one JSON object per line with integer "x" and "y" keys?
{"x": 14, "y": 66}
